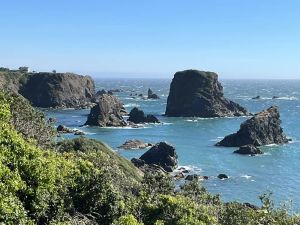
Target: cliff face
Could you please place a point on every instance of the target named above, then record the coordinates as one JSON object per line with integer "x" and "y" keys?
{"x": 58, "y": 90}
{"x": 50, "y": 89}
{"x": 198, "y": 93}
{"x": 262, "y": 129}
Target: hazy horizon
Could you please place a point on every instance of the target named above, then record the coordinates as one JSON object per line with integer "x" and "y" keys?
{"x": 141, "y": 39}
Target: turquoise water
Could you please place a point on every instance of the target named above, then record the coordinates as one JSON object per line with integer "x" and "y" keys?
{"x": 278, "y": 170}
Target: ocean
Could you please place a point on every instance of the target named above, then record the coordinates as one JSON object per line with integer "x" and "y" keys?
{"x": 275, "y": 171}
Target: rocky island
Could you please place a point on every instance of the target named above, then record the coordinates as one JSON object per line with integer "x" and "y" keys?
{"x": 200, "y": 94}
{"x": 262, "y": 129}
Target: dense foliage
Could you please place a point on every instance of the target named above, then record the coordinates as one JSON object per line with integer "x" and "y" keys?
{"x": 83, "y": 181}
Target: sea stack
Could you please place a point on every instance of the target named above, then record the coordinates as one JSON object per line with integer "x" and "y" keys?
{"x": 107, "y": 112}
{"x": 262, "y": 129}
{"x": 200, "y": 94}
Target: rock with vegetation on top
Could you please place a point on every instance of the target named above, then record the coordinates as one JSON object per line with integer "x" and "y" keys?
{"x": 262, "y": 129}
{"x": 152, "y": 95}
{"x": 135, "y": 144}
{"x": 107, "y": 112}
{"x": 138, "y": 116}
{"x": 248, "y": 150}
{"x": 199, "y": 93}
{"x": 66, "y": 90}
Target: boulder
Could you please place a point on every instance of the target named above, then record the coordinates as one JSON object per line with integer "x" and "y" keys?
{"x": 163, "y": 155}
{"x": 106, "y": 113}
{"x": 262, "y": 129}
{"x": 152, "y": 95}
{"x": 58, "y": 90}
{"x": 248, "y": 150}
{"x": 196, "y": 93}
{"x": 138, "y": 116}
{"x": 135, "y": 144}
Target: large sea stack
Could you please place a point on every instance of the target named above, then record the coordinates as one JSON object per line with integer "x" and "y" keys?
{"x": 199, "y": 93}
{"x": 107, "y": 112}
{"x": 262, "y": 129}
{"x": 58, "y": 89}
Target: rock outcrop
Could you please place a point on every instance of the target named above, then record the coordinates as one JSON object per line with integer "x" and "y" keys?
{"x": 135, "y": 144}
{"x": 58, "y": 90}
{"x": 152, "y": 95}
{"x": 262, "y": 129}
{"x": 161, "y": 154}
{"x": 107, "y": 112}
{"x": 248, "y": 150}
{"x": 199, "y": 93}
{"x": 138, "y": 116}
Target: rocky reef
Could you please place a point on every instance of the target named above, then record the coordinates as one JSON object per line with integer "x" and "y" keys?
{"x": 262, "y": 129}
{"x": 107, "y": 112}
{"x": 160, "y": 156}
{"x": 138, "y": 116}
{"x": 199, "y": 93}
{"x": 152, "y": 95}
{"x": 135, "y": 144}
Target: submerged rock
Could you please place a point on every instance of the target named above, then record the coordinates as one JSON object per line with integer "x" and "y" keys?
{"x": 138, "y": 116}
{"x": 262, "y": 129}
{"x": 248, "y": 150}
{"x": 66, "y": 90}
{"x": 107, "y": 112}
{"x": 152, "y": 95}
{"x": 162, "y": 154}
{"x": 199, "y": 93}
{"x": 135, "y": 144}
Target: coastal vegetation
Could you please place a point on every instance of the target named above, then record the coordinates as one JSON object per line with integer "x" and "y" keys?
{"x": 82, "y": 181}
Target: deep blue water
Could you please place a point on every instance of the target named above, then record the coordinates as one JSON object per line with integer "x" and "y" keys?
{"x": 278, "y": 170}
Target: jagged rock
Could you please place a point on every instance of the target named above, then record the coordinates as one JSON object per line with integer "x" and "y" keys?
{"x": 106, "y": 113}
{"x": 152, "y": 95}
{"x": 198, "y": 93}
{"x": 262, "y": 129}
{"x": 149, "y": 168}
{"x": 138, "y": 116}
{"x": 192, "y": 177}
{"x": 110, "y": 93}
{"x": 163, "y": 155}
{"x": 256, "y": 98}
{"x": 58, "y": 90}
{"x": 64, "y": 129}
{"x": 135, "y": 144}
{"x": 222, "y": 176}
{"x": 248, "y": 150}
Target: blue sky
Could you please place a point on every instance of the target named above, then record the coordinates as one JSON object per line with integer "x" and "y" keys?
{"x": 141, "y": 38}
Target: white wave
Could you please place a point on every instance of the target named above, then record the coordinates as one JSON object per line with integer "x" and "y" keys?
{"x": 246, "y": 176}
{"x": 272, "y": 145}
{"x": 131, "y": 105}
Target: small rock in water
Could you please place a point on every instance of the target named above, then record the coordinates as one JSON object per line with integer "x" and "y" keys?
{"x": 179, "y": 176}
{"x": 64, "y": 129}
{"x": 222, "y": 176}
{"x": 151, "y": 95}
{"x": 138, "y": 116}
{"x": 257, "y": 97}
{"x": 248, "y": 150}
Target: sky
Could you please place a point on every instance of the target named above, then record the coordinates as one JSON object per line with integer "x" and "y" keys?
{"x": 153, "y": 38}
